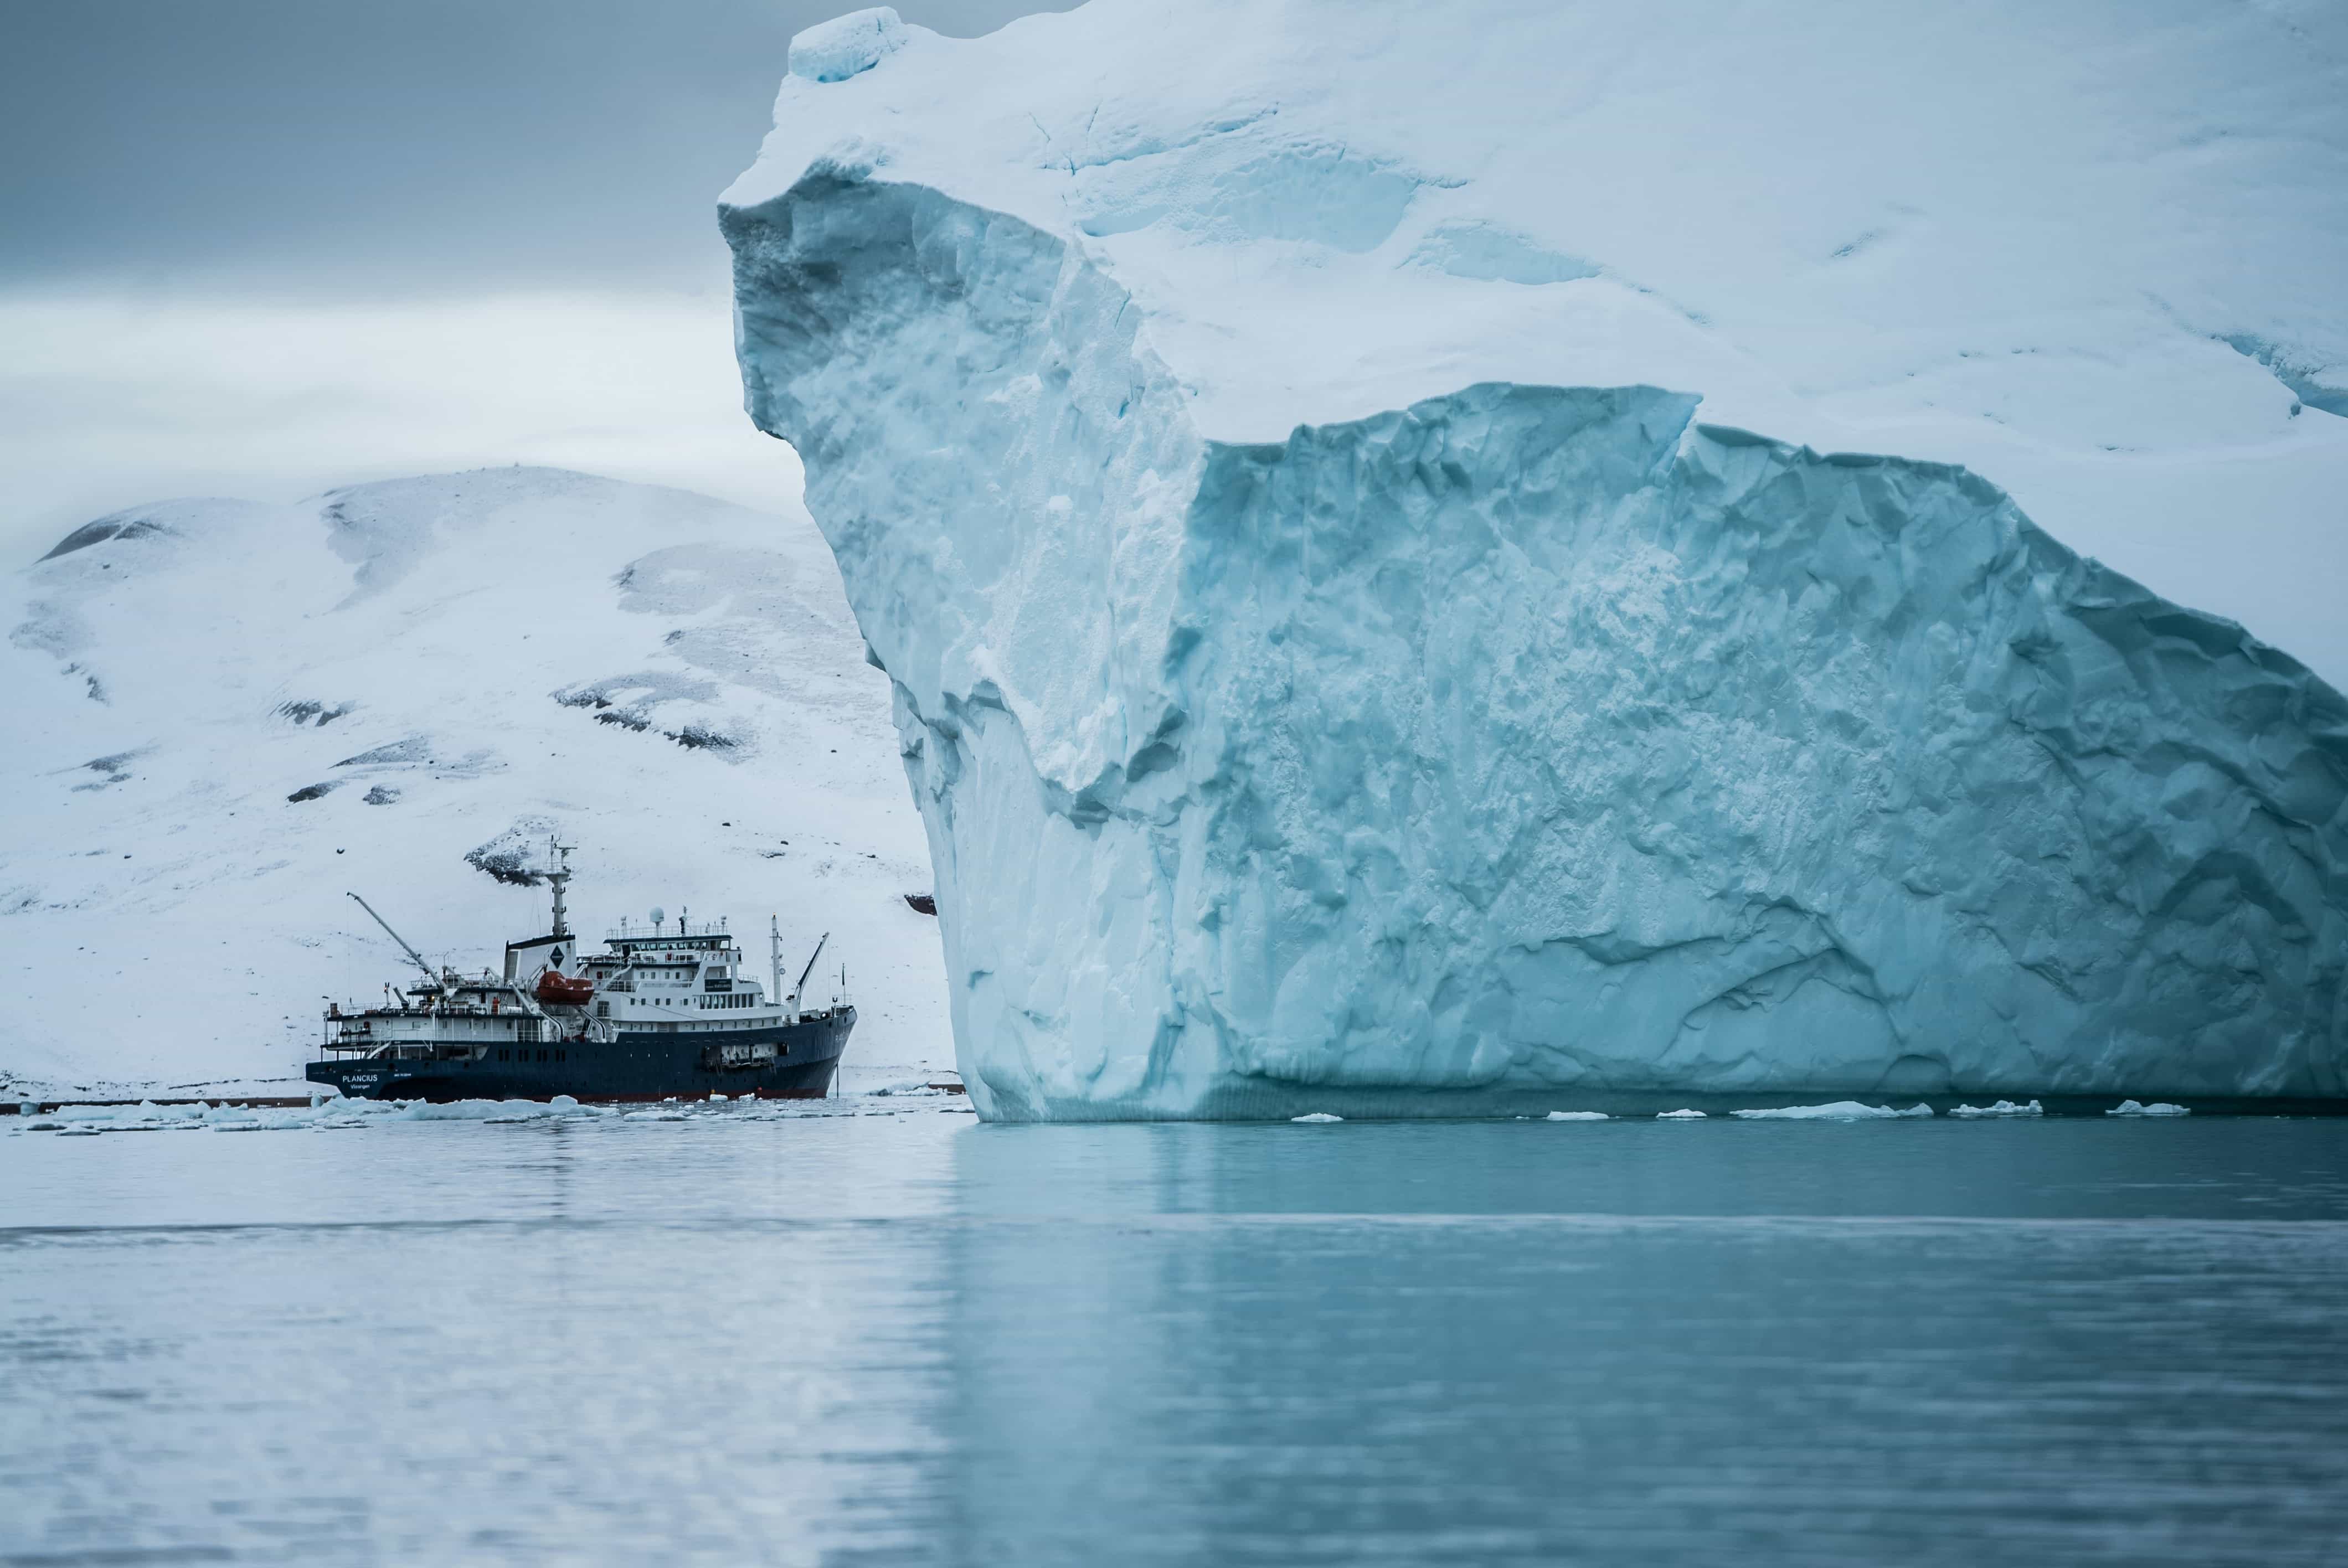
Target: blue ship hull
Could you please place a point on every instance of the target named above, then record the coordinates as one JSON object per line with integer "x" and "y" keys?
{"x": 639, "y": 1065}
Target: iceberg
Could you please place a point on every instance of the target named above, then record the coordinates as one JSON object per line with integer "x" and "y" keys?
{"x": 1378, "y": 619}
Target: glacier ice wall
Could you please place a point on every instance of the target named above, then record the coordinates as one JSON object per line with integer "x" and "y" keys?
{"x": 1527, "y": 740}
{"x": 1334, "y": 676}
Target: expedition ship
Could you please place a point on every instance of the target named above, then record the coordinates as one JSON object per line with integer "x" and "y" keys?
{"x": 664, "y": 1012}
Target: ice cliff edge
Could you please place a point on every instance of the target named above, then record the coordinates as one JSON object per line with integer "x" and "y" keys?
{"x": 1518, "y": 739}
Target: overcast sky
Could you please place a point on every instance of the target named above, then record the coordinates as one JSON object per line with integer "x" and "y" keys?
{"x": 261, "y": 247}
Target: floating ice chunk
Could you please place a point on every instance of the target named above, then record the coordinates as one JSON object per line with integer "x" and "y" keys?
{"x": 1317, "y": 1116}
{"x": 2003, "y": 1108}
{"x": 2157, "y": 1108}
{"x": 846, "y": 46}
{"x": 1838, "y": 1111}
{"x": 1680, "y": 1115}
{"x": 478, "y": 1110}
{"x": 1576, "y": 1116}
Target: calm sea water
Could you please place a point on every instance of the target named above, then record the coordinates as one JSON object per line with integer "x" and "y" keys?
{"x": 909, "y": 1339}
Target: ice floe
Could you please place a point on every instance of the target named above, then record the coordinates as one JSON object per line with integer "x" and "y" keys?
{"x": 1837, "y": 1110}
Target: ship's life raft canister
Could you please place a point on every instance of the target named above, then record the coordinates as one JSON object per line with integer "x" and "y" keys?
{"x": 557, "y": 990}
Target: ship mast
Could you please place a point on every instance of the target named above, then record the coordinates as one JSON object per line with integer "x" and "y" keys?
{"x": 775, "y": 953}
{"x": 560, "y": 854}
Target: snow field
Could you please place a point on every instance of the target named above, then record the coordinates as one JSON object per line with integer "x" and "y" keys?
{"x": 231, "y": 713}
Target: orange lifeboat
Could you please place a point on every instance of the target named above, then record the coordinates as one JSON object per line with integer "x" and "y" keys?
{"x": 558, "y": 989}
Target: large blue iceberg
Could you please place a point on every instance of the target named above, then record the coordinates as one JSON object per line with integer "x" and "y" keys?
{"x": 1515, "y": 746}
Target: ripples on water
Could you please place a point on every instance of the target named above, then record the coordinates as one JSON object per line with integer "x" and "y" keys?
{"x": 905, "y": 1338}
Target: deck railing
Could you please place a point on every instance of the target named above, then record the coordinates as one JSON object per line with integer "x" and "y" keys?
{"x": 667, "y": 930}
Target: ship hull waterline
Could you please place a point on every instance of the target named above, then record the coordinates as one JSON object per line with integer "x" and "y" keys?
{"x": 638, "y": 1066}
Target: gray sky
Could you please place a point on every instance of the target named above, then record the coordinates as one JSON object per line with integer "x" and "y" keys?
{"x": 395, "y": 147}
{"x": 263, "y": 246}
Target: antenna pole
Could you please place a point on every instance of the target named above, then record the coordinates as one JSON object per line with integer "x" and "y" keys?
{"x": 561, "y": 855}
{"x": 775, "y": 953}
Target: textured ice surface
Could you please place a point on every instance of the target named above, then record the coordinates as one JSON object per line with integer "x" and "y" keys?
{"x": 1335, "y": 673}
{"x": 2003, "y": 1108}
{"x": 835, "y": 50}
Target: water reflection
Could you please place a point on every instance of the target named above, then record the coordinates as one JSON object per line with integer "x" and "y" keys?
{"x": 1647, "y": 1343}
{"x": 908, "y": 1339}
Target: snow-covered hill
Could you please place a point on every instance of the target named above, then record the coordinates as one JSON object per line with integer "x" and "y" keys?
{"x": 223, "y": 714}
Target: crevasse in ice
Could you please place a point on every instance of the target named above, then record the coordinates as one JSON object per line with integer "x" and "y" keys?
{"x": 1517, "y": 740}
